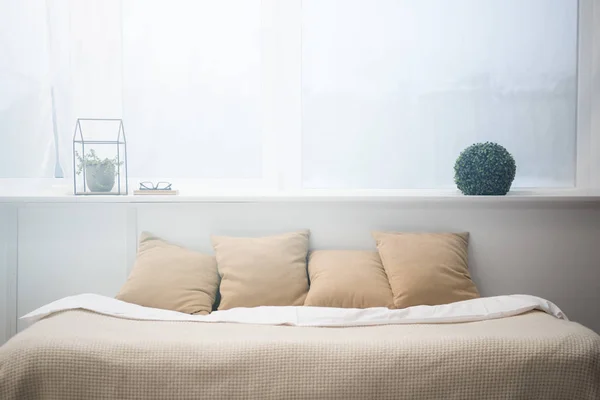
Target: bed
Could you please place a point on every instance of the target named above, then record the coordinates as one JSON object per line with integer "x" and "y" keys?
{"x": 99, "y": 352}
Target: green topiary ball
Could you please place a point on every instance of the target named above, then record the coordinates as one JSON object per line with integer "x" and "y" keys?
{"x": 486, "y": 169}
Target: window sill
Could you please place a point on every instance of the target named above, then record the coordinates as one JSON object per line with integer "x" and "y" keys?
{"x": 419, "y": 197}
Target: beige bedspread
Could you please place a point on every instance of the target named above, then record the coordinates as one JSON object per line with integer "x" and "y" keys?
{"x": 83, "y": 355}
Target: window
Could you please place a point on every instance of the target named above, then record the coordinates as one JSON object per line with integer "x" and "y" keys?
{"x": 394, "y": 90}
{"x": 303, "y": 94}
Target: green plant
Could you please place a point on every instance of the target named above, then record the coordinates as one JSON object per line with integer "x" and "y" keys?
{"x": 484, "y": 169}
{"x": 91, "y": 159}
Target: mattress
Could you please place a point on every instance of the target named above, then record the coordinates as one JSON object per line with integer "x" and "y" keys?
{"x": 83, "y": 354}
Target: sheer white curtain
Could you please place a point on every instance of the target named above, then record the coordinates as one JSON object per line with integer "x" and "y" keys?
{"x": 390, "y": 90}
{"x": 61, "y": 59}
{"x": 185, "y": 75}
{"x": 27, "y": 144}
{"x": 192, "y": 88}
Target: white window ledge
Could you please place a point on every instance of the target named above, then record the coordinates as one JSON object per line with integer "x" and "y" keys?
{"x": 60, "y": 194}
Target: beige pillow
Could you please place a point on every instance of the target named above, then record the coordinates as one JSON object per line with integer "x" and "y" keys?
{"x": 347, "y": 279}
{"x": 267, "y": 271}
{"x": 171, "y": 277}
{"x": 426, "y": 268}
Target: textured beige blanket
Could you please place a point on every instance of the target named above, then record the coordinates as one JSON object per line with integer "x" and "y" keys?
{"x": 82, "y": 355}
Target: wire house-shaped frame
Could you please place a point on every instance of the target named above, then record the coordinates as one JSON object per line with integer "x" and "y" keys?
{"x": 99, "y": 157}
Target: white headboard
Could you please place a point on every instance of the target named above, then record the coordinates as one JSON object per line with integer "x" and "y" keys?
{"x": 542, "y": 248}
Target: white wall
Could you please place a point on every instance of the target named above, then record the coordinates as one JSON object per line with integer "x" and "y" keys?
{"x": 65, "y": 249}
{"x": 8, "y": 278}
{"x": 549, "y": 249}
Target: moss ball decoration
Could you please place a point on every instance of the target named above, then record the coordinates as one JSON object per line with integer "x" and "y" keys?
{"x": 484, "y": 169}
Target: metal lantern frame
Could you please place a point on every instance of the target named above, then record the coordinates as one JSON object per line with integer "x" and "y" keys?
{"x": 78, "y": 139}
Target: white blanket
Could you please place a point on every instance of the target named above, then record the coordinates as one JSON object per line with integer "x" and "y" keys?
{"x": 465, "y": 311}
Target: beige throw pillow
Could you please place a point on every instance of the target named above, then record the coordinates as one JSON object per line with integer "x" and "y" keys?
{"x": 266, "y": 271}
{"x": 426, "y": 268}
{"x": 347, "y": 279}
{"x": 171, "y": 277}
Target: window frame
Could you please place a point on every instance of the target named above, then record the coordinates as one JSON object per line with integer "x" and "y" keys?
{"x": 588, "y": 96}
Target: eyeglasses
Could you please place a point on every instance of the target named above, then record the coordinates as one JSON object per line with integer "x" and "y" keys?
{"x": 151, "y": 186}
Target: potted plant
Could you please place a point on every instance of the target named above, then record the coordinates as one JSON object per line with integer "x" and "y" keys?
{"x": 485, "y": 169}
{"x": 99, "y": 174}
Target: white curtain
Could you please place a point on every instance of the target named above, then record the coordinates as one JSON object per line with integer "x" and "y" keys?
{"x": 61, "y": 60}
{"x": 184, "y": 75}
{"x": 192, "y": 88}
{"x": 391, "y": 90}
{"x": 27, "y": 144}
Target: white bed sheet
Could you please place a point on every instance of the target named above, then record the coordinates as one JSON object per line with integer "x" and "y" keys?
{"x": 480, "y": 309}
